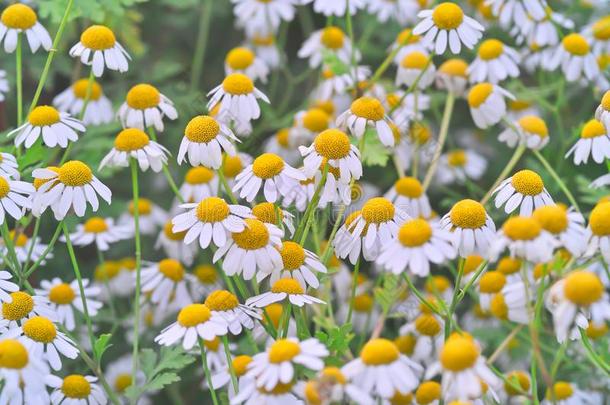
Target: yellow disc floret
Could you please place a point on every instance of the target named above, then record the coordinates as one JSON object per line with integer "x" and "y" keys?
{"x": 378, "y": 210}
{"x": 552, "y": 218}
{"x": 76, "y": 386}
{"x": 369, "y": 108}
{"x": 43, "y": 115}
{"x": 492, "y": 282}
{"x": 406, "y": 344}
{"x": 447, "y": 16}
{"x": 13, "y": 354}
{"x": 267, "y": 165}
{"x": 199, "y": 175}
{"x": 144, "y": 207}
{"x": 521, "y": 228}
{"x": 131, "y": 139}
{"x": 122, "y": 382}
{"x": 562, "y": 390}
{"x": 468, "y": 214}
{"x": 592, "y": 129}
{"x": 508, "y": 265}
{"x": 212, "y": 209}
{"x": 583, "y": 287}
{"x": 490, "y": 49}
{"x": 240, "y": 58}
{"x": 457, "y": 158}
{"x": 479, "y": 94}
{"x": 95, "y": 225}
{"x": 332, "y": 144}
{"x": 143, "y": 96}
{"x": 498, "y": 307}
{"x": 517, "y": 382}
{"x": 460, "y": 352}
{"x": 19, "y": 16}
{"x": 75, "y": 173}
{"x": 40, "y": 329}
{"x": 527, "y": 182}
{"x": 332, "y": 38}
{"x": 201, "y": 129}
{"x": 454, "y": 67}
{"x": 287, "y": 286}
{"x": 240, "y": 364}
{"x": 5, "y": 188}
{"x": 254, "y": 236}
{"x": 206, "y": 274}
{"x": 221, "y": 300}
{"x": 283, "y": 350}
{"x": 98, "y": 38}
{"x": 409, "y": 187}
{"x": 428, "y": 392}
{"x": 62, "y": 294}
{"x": 81, "y": 87}
{"x": 575, "y": 44}
{"x": 268, "y": 213}
{"x": 193, "y": 315}
{"x": 378, "y": 352}
{"x": 415, "y": 232}
{"x": 20, "y": 306}
{"x": 316, "y": 120}
{"x": 171, "y": 269}
{"x": 534, "y": 125}
{"x": 415, "y": 60}
{"x": 238, "y": 84}
{"x": 599, "y": 220}
{"x": 363, "y": 303}
{"x": 601, "y": 28}
{"x": 293, "y": 255}
{"x": 427, "y": 325}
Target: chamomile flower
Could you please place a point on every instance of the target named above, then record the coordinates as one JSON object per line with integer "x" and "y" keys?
{"x": 239, "y": 365}
{"x": 119, "y": 375}
{"x": 76, "y": 389}
{"x": 330, "y": 39}
{"x": 26, "y": 248}
{"x": 284, "y": 290}
{"x": 277, "y": 364}
{"x": 18, "y": 19}
{"x": 452, "y": 75}
{"x": 205, "y": 281}
{"x": 199, "y": 183}
{"x": 146, "y": 107}
{"x": 204, "y": 141}
{"x": 15, "y": 198}
{"x": 173, "y": 245}
{"x": 415, "y": 65}
{"x": 237, "y": 97}
{"x": 409, "y": 195}
{"x": 447, "y": 24}
{"x": 331, "y": 385}
{"x": 490, "y": 284}
{"x": 336, "y": 7}
{"x": 417, "y": 244}
{"x": 264, "y": 47}
{"x": 514, "y": 11}
{"x": 244, "y": 60}
{"x": 9, "y": 168}
{"x": 427, "y": 330}
{"x": 166, "y": 283}
{"x": 194, "y": 322}
{"x": 575, "y": 58}
{"x": 367, "y": 112}
{"x": 594, "y": 141}
{"x": 298, "y": 263}
{"x": 567, "y": 225}
{"x": 524, "y": 190}
{"x": 459, "y": 165}
{"x": 270, "y": 214}
{"x": 237, "y": 316}
{"x": 151, "y": 216}
{"x": 566, "y": 393}
{"x": 487, "y": 104}
{"x": 526, "y": 239}
{"x": 494, "y": 62}
{"x": 332, "y": 147}
{"x": 473, "y": 228}
{"x": 21, "y": 306}
{"x": 72, "y": 100}
{"x": 66, "y": 298}
{"x": 541, "y": 31}
{"x": 114, "y": 278}
{"x": 102, "y": 231}
{"x": 365, "y": 312}
{"x": 528, "y": 130}
{"x": 23, "y": 375}
{"x": 598, "y": 232}
{"x": 99, "y": 49}
{"x": 270, "y": 171}
{"x": 602, "y": 112}
{"x": 512, "y": 303}
{"x": 133, "y": 143}
{"x": 599, "y": 34}
{"x": 55, "y": 128}
{"x": 267, "y": 14}
{"x": 380, "y": 370}
{"x": 249, "y": 394}
{"x": 337, "y": 84}
{"x": 72, "y": 185}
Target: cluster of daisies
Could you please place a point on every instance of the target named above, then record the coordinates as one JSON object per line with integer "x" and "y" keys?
{"x": 295, "y": 276}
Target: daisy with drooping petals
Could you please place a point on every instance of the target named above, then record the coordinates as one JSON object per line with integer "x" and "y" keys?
{"x": 409, "y": 195}
{"x": 102, "y": 231}
{"x": 21, "y": 306}
{"x": 336, "y": 7}
{"x": 133, "y": 143}
{"x": 146, "y": 107}
{"x": 151, "y": 216}
{"x": 567, "y": 225}
{"x": 244, "y": 60}
{"x": 332, "y": 385}
{"x": 487, "y": 104}
{"x": 99, "y": 49}
{"x": 166, "y": 282}
{"x": 598, "y": 231}
{"x": 14, "y": 198}
{"x": 494, "y": 62}
{"x": 473, "y": 228}
{"x": 415, "y": 65}
{"x": 460, "y": 165}
{"x": 575, "y": 58}
{"x": 25, "y": 248}
{"x": 599, "y": 34}
{"x": 76, "y": 389}
{"x": 447, "y": 24}
{"x": 55, "y": 128}
{"x": 333, "y": 148}
{"x": 173, "y": 245}
{"x": 199, "y": 183}
{"x": 524, "y": 189}
{"x": 566, "y": 393}
{"x": 513, "y": 11}
{"x": 594, "y": 141}
{"x": 525, "y": 239}
{"x": 18, "y": 19}
{"x": 23, "y": 375}
{"x": 72, "y": 100}
{"x": 491, "y": 283}
{"x": 267, "y": 14}
{"x": 236, "y": 315}
{"x": 367, "y": 112}
{"x": 284, "y": 289}
{"x": 529, "y": 130}
{"x": 204, "y": 141}
{"x": 264, "y": 46}
{"x": 452, "y": 76}
{"x": 270, "y": 214}
{"x": 512, "y": 303}
{"x": 298, "y": 263}
{"x": 237, "y": 97}
{"x": 330, "y": 39}
{"x": 72, "y": 185}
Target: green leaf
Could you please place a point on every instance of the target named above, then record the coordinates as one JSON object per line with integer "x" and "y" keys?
{"x": 162, "y": 380}
{"x": 101, "y": 345}
{"x": 332, "y": 62}
{"x": 373, "y": 153}
{"x": 387, "y": 295}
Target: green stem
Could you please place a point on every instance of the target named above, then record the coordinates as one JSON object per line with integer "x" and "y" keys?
{"x": 557, "y": 179}
{"x": 44, "y": 254}
{"x": 10, "y": 245}
{"x": 507, "y": 169}
{"x": 225, "y": 185}
{"x": 206, "y": 371}
{"x": 19, "y": 78}
{"x": 472, "y": 280}
{"x": 168, "y": 176}
{"x": 353, "y": 293}
{"x": 419, "y": 295}
{"x": 225, "y": 343}
{"x": 304, "y": 225}
{"x": 31, "y": 249}
{"x": 442, "y": 137}
{"x": 202, "y": 41}
{"x": 283, "y": 328}
{"x": 454, "y": 299}
{"x": 138, "y": 254}
{"x": 592, "y": 355}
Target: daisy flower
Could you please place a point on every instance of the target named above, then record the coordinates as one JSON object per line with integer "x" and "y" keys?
{"x": 408, "y": 195}
{"x": 517, "y": 384}
{"x": 205, "y": 281}
{"x": 514, "y": 11}
{"x": 332, "y": 147}
{"x": 72, "y": 185}
{"x": 541, "y": 31}
{"x": 494, "y": 62}
{"x": 151, "y": 216}
{"x": 264, "y": 46}
{"x": 526, "y": 239}
{"x": 330, "y": 384}
{"x": 270, "y": 171}
{"x": 114, "y": 278}
{"x": 21, "y": 306}
{"x": 335, "y": 7}
{"x": 452, "y": 75}
{"x": 380, "y": 370}
{"x": 285, "y": 143}
{"x": 487, "y": 104}
{"x": 236, "y": 315}
{"x": 298, "y": 263}
{"x": 405, "y": 43}
{"x": 415, "y": 65}
{"x": 194, "y": 322}
{"x": 566, "y": 393}
{"x": 14, "y": 198}
{"x": 367, "y": 112}
{"x": 25, "y": 248}
{"x": 365, "y": 312}
{"x": 72, "y": 100}
{"x": 76, "y": 389}
{"x": 418, "y": 243}
{"x": 166, "y": 282}
{"x": 102, "y": 231}
{"x": 567, "y": 225}
{"x": 204, "y": 141}
{"x": 602, "y": 112}
{"x": 234, "y": 165}
{"x": 146, "y": 107}
{"x": 237, "y": 97}
{"x": 333, "y": 84}
{"x": 244, "y": 60}
{"x": 427, "y": 330}
{"x": 512, "y": 303}
{"x": 284, "y": 289}
{"x": 19, "y": 19}
{"x": 529, "y": 130}
{"x": 524, "y": 190}
{"x": 173, "y": 244}
{"x": 330, "y": 39}
{"x": 56, "y": 128}
{"x": 119, "y": 375}
{"x": 133, "y": 143}
{"x": 473, "y": 228}
{"x": 599, "y": 34}
{"x": 490, "y": 284}
{"x": 594, "y": 141}
{"x": 23, "y": 375}
{"x": 447, "y": 23}
{"x": 199, "y": 183}
{"x": 310, "y": 123}
{"x": 65, "y": 298}
{"x": 99, "y": 49}
{"x": 575, "y": 58}
{"x": 400, "y": 10}
{"x": 598, "y": 231}
{"x": 270, "y": 214}
{"x": 249, "y": 394}
{"x": 458, "y": 165}
{"x": 267, "y": 14}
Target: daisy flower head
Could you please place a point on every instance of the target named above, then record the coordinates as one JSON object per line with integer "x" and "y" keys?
{"x": 526, "y": 239}
{"x": 23, "y": 374}
{"x": 166, "y": 283}
{"x": 575, "y": 58}
{"x": 512, "y": 303}
{"x": 428, "y": 393}
{"x": 473, "y": 228}
{"x": 199, "y": 183}
{"x": 25, "y": 248}
{"x": 418, "y": 243}
{"x": 365, "y": 312}
{"x": 19, "y": 19}
{"x": 244, "y": 60}
{"x": 567, "y": 225}
{"x": 541, "y": 31}
{"x": 65, "y": 298}
{"x": 151, "y": 216}
{"x": 310, "y": 123}
{"x": 567, "y": 393}
{"x": 284, "y": 290}
{"x": 264, "y": 46}
{"x": 598, "y": 231}
{"x": 234, "y": 165}
{"x": 267, "y": 14}
{"x": 102, "y": 231}
{"x": 524, "y": 190}
{"x": 270, "y": 214}
{"x": 381, "y": 370}
{"x": 55, "y": 128}
{"x": 72, "y": 100}
{"x": 490, "y": 284}
{"x": 9, "y": 167}
{"x": 452, "y": 75}
{"x": 602, "y": 112}
{"x": 594, "y": 141}
{"x": 336, "y": 7}
{"x": 99, "y": 49}
{"x": 415, "y": 65}
{"x": 146, "y": 107}
{"x": 271, "y": 172}
{"x": 330, "y": 39}
{"x": 458, "y": 165}
{"x": 76, "y": 389}
{"x": 332, "y": 147}
{"x": 367, "y": 112}
{"x": 133, "y": 143}
{"x": 21, "y": 306}
{"x": 205, "y": 281}
{"x": 336, "y": 84}
{"x": 447, "y": 23}
{"x": 237, "y": 97}
{"x": 408, "y": 194}
{"x": 204, "y": 141}
{"x": 236, "y": 315}
{"x": 15, "y": 198}
{"x": 173, "y": 244}
{"x": 299, "y": 264}
{"x": 331, "y": 385}
{"x": 119, "y": 375}
{"x": 114, "y": 278}
{"x": 529, "y": 130}
{"x": 402, "y": 11}
{"x": 426, "y": 329}
{"x": 281, "y": 394}
{"x": 487, "y": 104}
{"x": 406, "y": 42}
{"x": 72, "y": 185}
{"x": 494, "y": 62}
{"x": 514, "y": 11}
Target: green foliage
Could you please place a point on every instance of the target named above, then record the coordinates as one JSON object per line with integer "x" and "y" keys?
{"x": 387, "y": 294}
{"x": 93, "y": 10}
{"x": 374, "y": 154}
{"x": 337, "y": 340}
{"x": 101, "y": 345}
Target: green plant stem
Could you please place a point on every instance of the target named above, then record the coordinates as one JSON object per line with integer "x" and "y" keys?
{"x": 44, "y": 254}
{"x": 136, "y": 303}
{"x": 595, "y": 358}
{"x": 19, "y": 78}
{"x": 420, "y": 296}
{"x": 168, "y": 176}
{"x": 350, "y": 34}
{"x": 202, "y": 40}
{"x": 206, "y": 371}
{"x": 303, "y": 228}
{"x": 454, "y": 299}
{"x": 31, "y": 249}
{"x": 10, "y": 245}
{"x": 472, "y": 280}
{"x": 282, "y": 327}
{"x": 557, "y": 179}
{"x": 507, "y": 169}
{"x": 225, "y": 185}
{"x": 225, "y": 343}
{"x": 350, "y": 310}
{"x": 442, "y": 138}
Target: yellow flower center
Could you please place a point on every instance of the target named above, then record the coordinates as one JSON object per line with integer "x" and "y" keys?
{"x": 98, "y": 38}
{"x": 472, "y": 263}
{"x": 552, "y": 218}
{"x": 95, "y": 225}
{"x": 599, "y": 220}
{"x": 378, "y": 210}
{"x": 459, "y": 353}
{"x": 593, "y": 129}
{"x": 363, "y": 303}
{"x": 457, "y": 158}
{"x": 202, "y": 129}
{"x": 409, "y": 187}
{"x": 447, "y": 16}
{"x": 107, "y": 271}
{"x": 19, "y": 308}
{"x": 254, "y": 236}
{"x": 143, "y": 96}
{"x": 279, "y": 389}
{"x": 40, "y": 329}
{"x": 263, "y": 40}
{"x": 498, "y": 307}
{"x": 378, "y": 352}
{"x": 534, "y": 125}
{"x": 606, "y": 101}
{"x": 427, "y": 325}
{"x": 293, "y": 255}
{"x": 76, "y": 386}
{"x": 332, "y": 375}
{"x": 583, "y": 288}
{"x": 267, "y": 212}
{"x": 561, "y": 390}
{"x": 492, "y": 282}
{"x": 62, "y": 294}
{"x": 171, "y": 269}
{"x": 212, "y": 209}
{"x": 237, "y": 84}
{"x": 193, "y": 315}
{"x": 575, "y": 44}
{"x": 144, "y": 207}
{"x": 369, "y": 108}
{"x": 43, "y": 115}
{"x": 332, "y": 144}
{"x": 206, "y": 274}
{"x": 131, "y": 139}
{"x": 401, "y": 399}
{"x": 527, "y": 182}
{"x": 415, "y": 60}
{"x": 240, "y": 364}
{"x": 75, "y": 174}
{"x": 468, "y": 214}
{"x": 406, "y": 37}
{"x": 19, "y": 16}
{"x": 521, "y": 228}
{"x": 316, "y": 120}
{"x": 518, "y": 105}
{"x": 283, "y": 138}
{"x": 437, "y": 284}
{"x": 13, "y": 354}
{"x": 601, "y": 28}
{"x": 240, "y": 58}
{"x": 288, "y": 286}
{"x": 479, "y": 94}
{"x": 332, "y": 38}
{"x": 169, "y": 233}
{"x": 405, "y": 344}
{"x": 122, "y": 382}
{"x": 19, "y": 240}
{"x": 508, "y": 265}
{"x": 221, "y": 300}
{"x": 454, "y": 67}
{"x": 283, "y": 350}
{"x": 490, "y": 49}
{"x": 519, "y": 379}
{"x": 79, "y": 88}
{"x": 274, "y": 312}
{"x": 267, "y": 165}
{"x": 428, "y": 392}
{"x": 596, "y": 331}
{"x": 415, "y": 232}
{"x": 5, "y": 188}
{"x": 199, "y": 175}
